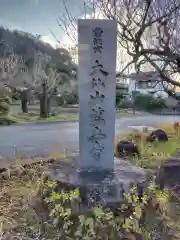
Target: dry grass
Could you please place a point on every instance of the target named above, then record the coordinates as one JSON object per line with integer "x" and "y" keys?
{"x": 16, "y": 201}
{"x": 21, "y": 212}
{"x": 153, "y": 154}
{"x": 23, "y": 216}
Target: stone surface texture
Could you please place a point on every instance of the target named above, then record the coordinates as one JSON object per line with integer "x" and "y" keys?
{"x": 99, "y": 186}
{"x": 168, "y": 175}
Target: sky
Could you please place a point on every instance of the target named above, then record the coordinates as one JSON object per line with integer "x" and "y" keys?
{"x": 38, "y": 16}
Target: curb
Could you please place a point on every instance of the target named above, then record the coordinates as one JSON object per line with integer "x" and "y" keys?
{"x": 60, "y": 121}
{"x": 48, "y": 122}
{"x": 39, "y": 123}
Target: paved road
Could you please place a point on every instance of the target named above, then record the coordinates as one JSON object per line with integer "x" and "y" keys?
{"x": 41, "y": 139}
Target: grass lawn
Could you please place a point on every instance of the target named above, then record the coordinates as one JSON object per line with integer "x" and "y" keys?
{"x": 70, "y": 113}
{"x": 23, "y": 215}
{"x": 33, "y": 114}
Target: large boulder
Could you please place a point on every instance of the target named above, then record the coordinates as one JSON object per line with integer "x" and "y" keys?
{"x": 157, "y": 135}
{"x": 127, "y": 148}
{"x": 168, "y": 174}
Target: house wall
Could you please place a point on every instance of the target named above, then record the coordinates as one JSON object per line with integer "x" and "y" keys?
{"x": 147, "y": 82}
{"x": 150, "y": 86}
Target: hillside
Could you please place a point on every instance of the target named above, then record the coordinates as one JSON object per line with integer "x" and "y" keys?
{"x": 27, "y": 45}
{"x": 24, "y": 44}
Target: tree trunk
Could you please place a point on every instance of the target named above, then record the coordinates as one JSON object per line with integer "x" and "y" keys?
{"x": 134, "y": 102}
{"x": 42, "y": 108}
{"x": 45, "y": 109}
{"x": 49, "y": 106}
{"x": 24, "y": 106}
{"x": 24, "y": 101}
{"x": 44, "y": 102}
{"x": 134, "y": 108}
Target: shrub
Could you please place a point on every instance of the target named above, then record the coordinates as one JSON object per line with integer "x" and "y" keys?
{"x": 15, "y": 95}
{"x": 59, "y": 100}
{"x": 125, "y": 103}
{"x": 148, "y": 102}
{"x": 7, "y": 120}
{"x": 119, "y": 97}
{"x": 5, "y": 101}
{"x": 4, "y": 107}
{"x": 100, "y": 223}
{"x": 71, "y": 97}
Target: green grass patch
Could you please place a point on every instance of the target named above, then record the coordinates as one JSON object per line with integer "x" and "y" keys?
{"x": 153, "y": 154}
{"x": 8, "y": 120}
{"x": 62, "y": 113}
{"x": 33, "y": 114}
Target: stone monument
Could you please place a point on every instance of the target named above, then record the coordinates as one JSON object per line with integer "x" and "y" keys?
{"x": 95, "y": 171}
{"x": 97, "y": 40}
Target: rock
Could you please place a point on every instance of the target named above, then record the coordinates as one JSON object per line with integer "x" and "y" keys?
{"x": 98, "y": 186}
{"x": 127, "y": 148}
{"x": 157, "y": 135}
{"x": 168, "y": 174}
{"x": 129, "y": 236}
{"x": 132, "y": 236}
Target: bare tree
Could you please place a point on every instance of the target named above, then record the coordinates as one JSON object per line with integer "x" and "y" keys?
{"x": 11, "y": 65}
{"x": 20, "y": 78}
{"x": 5, "y": 91}
{"x": 9, "y": 68}
{"x": 68, "y": 24}
{"x": 148, "y": 33}
{"x": 48, "y": 77}
{"x": 40, "y": 84}
{"x": 46, "y": 90}
{"x": 40, "y": 76}
{"x": 148, "y": 30}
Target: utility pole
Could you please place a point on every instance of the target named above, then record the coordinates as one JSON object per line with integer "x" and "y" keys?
{"x": 134, "y": 99}
{"x": 135, "y": 86}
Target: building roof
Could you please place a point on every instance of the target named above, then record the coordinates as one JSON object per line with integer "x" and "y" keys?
{"x": 141, "y": 75}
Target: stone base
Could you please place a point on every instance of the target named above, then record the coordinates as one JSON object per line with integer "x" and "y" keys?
{"x": 105, "y": 187}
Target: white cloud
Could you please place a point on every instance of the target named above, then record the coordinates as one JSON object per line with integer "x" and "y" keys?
{"x": 49, "y": 39}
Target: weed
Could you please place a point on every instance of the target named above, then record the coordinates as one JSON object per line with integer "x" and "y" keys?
{"x": 30, "y": 207}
